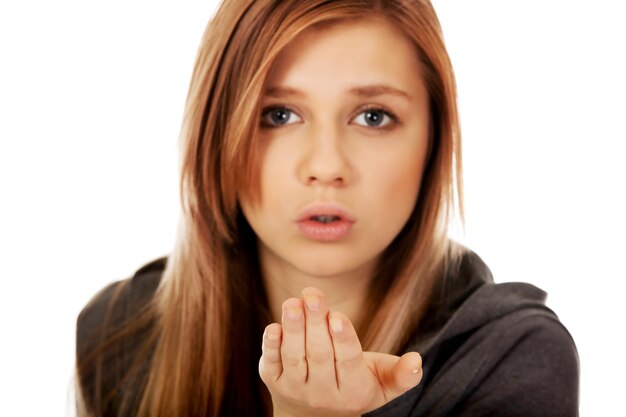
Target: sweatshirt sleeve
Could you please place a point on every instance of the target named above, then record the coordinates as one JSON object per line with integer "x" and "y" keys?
{"x": 539, "y": 376}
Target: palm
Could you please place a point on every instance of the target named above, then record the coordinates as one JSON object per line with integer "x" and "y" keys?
{"x": 313, "y": 365}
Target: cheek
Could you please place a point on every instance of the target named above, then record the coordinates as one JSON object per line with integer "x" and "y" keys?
{"x": 255, "y": 210}
{"x": 402, "y": 187}
{"x": 397, "y": 185}
{"x": 276, "y": 174}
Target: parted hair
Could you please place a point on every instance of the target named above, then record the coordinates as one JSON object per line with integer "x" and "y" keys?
{"x": 201, "y": 331}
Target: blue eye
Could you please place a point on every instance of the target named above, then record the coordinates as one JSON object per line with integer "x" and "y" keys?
{"x": 277, "y": 116}
{"x": 376, "y": 118}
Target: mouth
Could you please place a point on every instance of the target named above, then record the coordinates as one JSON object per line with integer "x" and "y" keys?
{"x": 324, "y": 219}
{"x": 325, "y": 214}
{"x": 325, "y": 222}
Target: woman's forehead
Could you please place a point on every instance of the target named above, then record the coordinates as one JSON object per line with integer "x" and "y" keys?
{"x": 347, "y": 56}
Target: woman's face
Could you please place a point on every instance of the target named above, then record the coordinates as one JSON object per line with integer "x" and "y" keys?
{"x": 344, "y": 134}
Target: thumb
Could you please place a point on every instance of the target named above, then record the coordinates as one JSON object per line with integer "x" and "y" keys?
{"x": 396, "y": 374}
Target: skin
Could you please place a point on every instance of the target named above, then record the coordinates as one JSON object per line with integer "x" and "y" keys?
{"x": 323, "y": 145}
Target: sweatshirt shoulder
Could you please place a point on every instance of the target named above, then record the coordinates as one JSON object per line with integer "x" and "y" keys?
{"x": 111, "y": 356}
{"x": 521, "y": 363}
{"x": 535, "y": 372}
{"x": 504, "y": 351}
{"x": 118, "y": 301}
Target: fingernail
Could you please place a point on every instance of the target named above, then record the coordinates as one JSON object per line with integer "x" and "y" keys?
{"x": 294, "y": 313}
{"x": 418, "y": 365}
{"x": 273, "y": 335}
{"x": 312, "y": 302}
{"x": 336, "y": 324}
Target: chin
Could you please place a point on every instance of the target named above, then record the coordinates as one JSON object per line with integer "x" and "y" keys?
{"x": 323, "y": 271}
{"x": 328, "y": 266}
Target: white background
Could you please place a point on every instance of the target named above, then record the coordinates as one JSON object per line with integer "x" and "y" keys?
{"x": 91, "y": 99}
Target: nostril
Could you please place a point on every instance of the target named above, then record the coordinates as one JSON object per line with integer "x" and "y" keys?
{"x": 336, "y": 181}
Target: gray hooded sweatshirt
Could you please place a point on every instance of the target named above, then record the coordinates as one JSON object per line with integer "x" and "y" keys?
{"x": 488, "y": 349}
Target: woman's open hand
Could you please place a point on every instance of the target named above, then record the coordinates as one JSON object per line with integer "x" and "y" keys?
{"x": 313, "y": 365}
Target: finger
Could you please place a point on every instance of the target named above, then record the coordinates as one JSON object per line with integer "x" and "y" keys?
{"x": 408, "y": 371}
{"x": 397, "y": 374}
{"x": 271, "y": 364}
{"x": 349, "y": 361}
{"x": 292, "y": 351}
{"x": 318, "y": 344}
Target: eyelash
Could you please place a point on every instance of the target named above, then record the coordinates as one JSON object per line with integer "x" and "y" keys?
{"x": 270, "y": 109}
{"x": 388, "y": 113}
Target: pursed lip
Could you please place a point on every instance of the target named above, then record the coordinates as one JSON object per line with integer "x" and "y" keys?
{"x": 325, "y": 209}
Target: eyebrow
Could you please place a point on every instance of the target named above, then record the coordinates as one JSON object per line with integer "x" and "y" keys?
{"x": 365, "y": 91}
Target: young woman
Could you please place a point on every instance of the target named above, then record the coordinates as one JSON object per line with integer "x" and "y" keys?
{"x": 321, "y": 166}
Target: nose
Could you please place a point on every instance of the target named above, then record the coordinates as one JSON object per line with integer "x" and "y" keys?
{"x": 325, "y": 159}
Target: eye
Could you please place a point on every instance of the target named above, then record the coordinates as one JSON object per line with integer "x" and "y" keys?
{"x": 278, "y": 116}
{"x": 376, "y": 117}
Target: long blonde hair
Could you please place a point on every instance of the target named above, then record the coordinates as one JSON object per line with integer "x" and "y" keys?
{"x": 210, "y": 307}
